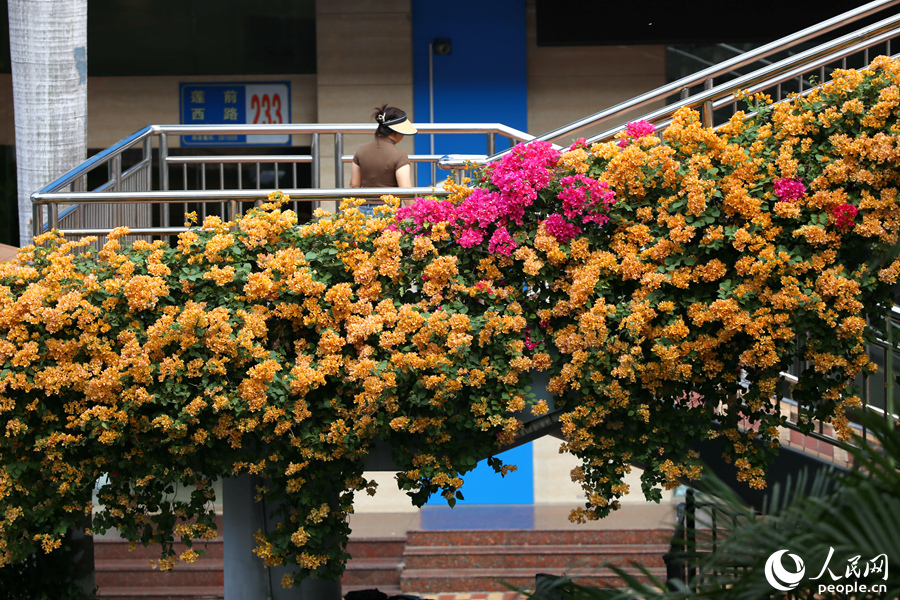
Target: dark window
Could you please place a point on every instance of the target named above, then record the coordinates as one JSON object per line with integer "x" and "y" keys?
{"x": 9, "y": 200}
{"x": 194, "y": 37}
{"x": 201, "y": 37}
{"x": 5, "y": 66}
{"x": 603, "y": 22}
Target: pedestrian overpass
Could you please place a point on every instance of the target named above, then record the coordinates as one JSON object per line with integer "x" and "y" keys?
{"x": 147, "y": 182}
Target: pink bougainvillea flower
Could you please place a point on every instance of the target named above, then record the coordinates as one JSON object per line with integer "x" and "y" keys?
{"x": 502, "y": 242}
{"x": 520, "y": 175}
{"x": 424, "y": 212}
{"x": 586, "y": 198}
{"x": 470, "y": 238}
{"x": 844, "y": 215}
{"x": 480, "y": 209}
{"x": 639, "y": 129}
{"x": 484, "y": 286}
{"x": 579, "y": 143}
{"x": 636, "y": 130}
{"x": 789, "y": 189}
{"x": 557, "y": 226}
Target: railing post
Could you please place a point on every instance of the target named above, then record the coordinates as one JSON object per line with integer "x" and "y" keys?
{"x": 114, "y": 168}
{"x": 338, "y": 160}
{"x": 164, "y": 176}
{"x": 708, "y": 105}
{"x": 53, "y": 215}
{"x": 37, "y": 219}
{"x": 889, "y": 369}
{"x": 316, "y": 166}
{"x": 147, "y": 153}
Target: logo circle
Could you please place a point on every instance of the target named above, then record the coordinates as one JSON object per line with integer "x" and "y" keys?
{"x": 779, "y": 577}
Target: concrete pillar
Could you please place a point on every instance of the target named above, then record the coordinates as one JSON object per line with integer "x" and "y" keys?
{"x": 246, "y": 576}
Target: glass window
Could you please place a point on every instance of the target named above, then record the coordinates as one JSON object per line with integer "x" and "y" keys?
{"x": 195, "y": 37}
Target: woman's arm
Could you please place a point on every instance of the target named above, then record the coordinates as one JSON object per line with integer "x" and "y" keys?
{"x": 355, "y": 176}
{"x": 403, "y": 176}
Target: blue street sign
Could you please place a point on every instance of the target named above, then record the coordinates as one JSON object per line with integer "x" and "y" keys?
{"x": 235, "y": 103}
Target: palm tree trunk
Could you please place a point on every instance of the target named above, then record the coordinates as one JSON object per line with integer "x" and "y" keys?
{"x": 48, "y": 51}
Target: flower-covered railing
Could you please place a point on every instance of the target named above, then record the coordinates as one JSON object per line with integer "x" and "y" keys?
{"x": 663, "y": 282}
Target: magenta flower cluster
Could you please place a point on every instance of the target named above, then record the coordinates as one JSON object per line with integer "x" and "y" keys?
{"x": 844, "y": 215}
{"x": 789, "y": 189}
{"x": 585, "y": 197}
{"x": 639, "y": 129}
{"x": 514, "y": 184}
{"x": 557, "y": 226}
{"x": 636, "y": 130}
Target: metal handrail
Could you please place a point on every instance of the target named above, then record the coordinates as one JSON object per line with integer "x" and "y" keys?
{"x": 211, "y": 197}
{"x": 71, "y": 187}
{"x": 662, "y": 92}
{"x": 249, "y": 195}
{"x": 766, "y": 77}
{"x": 292, "y": 128}
{"x": 346, "y": 128}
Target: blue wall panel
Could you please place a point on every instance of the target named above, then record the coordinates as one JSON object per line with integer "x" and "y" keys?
{"x": 483, "y": 486}
{"x": 483, "y": 79}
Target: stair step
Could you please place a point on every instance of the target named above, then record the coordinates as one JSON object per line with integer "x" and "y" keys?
{"x": 374, "y": 571}
{"x": 163, "y": 592}
{"x": 117, "y": 548}
{"x": 384, "y": 547}
{"x": 535, "y": 557}
{"x": 589, "y": 549}
{"x": 139, "y": 573}
{"x": 514, "y": 537}
{"x": 429, "y": 581}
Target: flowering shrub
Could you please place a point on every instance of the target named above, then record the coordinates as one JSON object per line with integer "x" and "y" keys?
{"x": 663, "y": 283}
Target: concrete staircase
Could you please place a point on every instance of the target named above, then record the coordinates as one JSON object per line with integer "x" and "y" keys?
{"x": 377, "y": 563}
{"x": 423, "y": 562}
{"x": 485, "y": 561}
{"x": 123, "y": 575}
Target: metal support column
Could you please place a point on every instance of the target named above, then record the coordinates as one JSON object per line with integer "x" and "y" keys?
{"x": 246, "y": 576}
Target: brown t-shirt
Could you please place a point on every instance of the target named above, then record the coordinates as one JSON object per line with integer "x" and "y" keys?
{"x": 378, "y": 162}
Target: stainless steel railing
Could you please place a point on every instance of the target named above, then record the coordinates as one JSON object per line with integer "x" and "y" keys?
{"x": 714, "y": 103}
{"x": 141, "y": 198}
{"x": 707, "y": 76}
